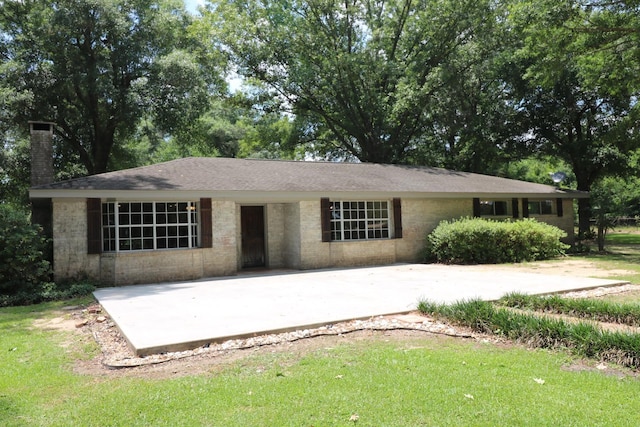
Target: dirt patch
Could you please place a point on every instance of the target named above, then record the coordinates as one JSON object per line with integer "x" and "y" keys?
{"x": 565, "y": 267}
{"x": 116, "y": 358}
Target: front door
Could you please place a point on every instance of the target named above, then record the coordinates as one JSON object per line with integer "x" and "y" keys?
{"x": 252, "y": 223}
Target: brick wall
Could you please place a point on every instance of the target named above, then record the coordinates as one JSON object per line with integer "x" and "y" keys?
{"x": 294, "y": 240}
{"x": 70, "y": 257}
{"x": 292, "y": 244}
{"x": 222, "y": 258}
{"x": 275, "y": 230}
{"x": 418, "y": 218}
{"x": 124, "y": 268}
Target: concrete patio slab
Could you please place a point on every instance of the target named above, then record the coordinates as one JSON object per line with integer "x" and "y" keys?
{"x": 178, "y": 316}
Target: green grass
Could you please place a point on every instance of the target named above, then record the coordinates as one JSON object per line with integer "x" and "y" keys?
{"x": 625, "y": 259}
{"x": 434, "y": 381}
{"x": 624, "y": 236}
{"x": 421, "y": 381}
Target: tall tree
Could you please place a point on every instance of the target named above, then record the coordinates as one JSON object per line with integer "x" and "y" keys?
{"x": 363, "y": 72}
{"x": 473, "y": 120}
{"x": 97, "y": 67}
{"x": 591, "y": 127}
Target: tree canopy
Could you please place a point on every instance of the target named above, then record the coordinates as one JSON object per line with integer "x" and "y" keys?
{"x": 462, "y": 84}
{"x": 361, "y": 72}
{"x": 96, "y": 67}
{"x": 569, "y": 115}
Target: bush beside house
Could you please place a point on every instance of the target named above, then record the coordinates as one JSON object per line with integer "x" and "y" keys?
{"x": 25, "y": 274}
{"x": 482, "y": 241}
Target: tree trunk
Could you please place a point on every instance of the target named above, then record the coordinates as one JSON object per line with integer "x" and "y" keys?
{"x": 584, "y": 216}
{"x": 601, "y": 235}
{"x": 584, "y": 205}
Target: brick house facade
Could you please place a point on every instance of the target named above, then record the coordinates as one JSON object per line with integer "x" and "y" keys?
{"x": 202, "y": 217}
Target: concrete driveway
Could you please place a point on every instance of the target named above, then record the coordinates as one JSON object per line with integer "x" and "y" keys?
{"x": 177, "y": 316}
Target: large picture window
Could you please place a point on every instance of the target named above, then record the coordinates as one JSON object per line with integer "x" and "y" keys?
{"x": 133, "y": 226}
{"x": 359, "y": 220}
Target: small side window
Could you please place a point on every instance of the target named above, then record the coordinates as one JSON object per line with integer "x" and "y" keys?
{"x": 495, "y": 208}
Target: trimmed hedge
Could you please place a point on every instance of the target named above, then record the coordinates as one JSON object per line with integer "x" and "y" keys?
{"x": 484, "y": 241}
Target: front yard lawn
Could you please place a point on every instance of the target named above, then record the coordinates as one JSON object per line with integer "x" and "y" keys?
{"x": 368, "y": 379}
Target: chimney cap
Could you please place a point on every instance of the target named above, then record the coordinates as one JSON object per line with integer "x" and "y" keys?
{"x": 38, "y": 125}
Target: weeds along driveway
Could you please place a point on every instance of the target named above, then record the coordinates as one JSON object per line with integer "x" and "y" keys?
{"x": 178, "y": 316}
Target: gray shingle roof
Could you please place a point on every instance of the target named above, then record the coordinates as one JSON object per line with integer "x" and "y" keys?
{"x": 249, "y": 175}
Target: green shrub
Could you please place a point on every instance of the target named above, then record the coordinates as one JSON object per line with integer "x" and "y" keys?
{"x": 483, "y": 241}
{"x": 25, "y": 275}
{"x": 23, "y": 268}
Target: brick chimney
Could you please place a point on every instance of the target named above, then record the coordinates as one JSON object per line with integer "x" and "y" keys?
{"x": 41, "y": 153}
{"x": 42, "y": 173}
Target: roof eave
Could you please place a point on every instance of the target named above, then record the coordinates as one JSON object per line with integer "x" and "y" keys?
{"x": 285, "y": 196}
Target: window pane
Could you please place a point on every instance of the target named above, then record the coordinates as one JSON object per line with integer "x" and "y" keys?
{"x": 486, "y": 207}
{"x": 534, "y": 208}
{"x": 123, "y": 219}
{"x": 500, "y": 208}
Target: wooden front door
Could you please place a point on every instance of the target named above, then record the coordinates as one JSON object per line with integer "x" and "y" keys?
{"x": 252, "y": 222}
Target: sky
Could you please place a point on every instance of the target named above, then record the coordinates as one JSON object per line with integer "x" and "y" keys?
{"x": 192, "y": 5}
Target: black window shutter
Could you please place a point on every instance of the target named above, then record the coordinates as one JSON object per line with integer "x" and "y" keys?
{"x": 94, "y": 226}
{"x": 514, "y": 208}
{"x": 397, "y": 218}
{"x": 325, "y": 219}
{"x": 559, "y": 206}
{"x": 525, "y": 208}
{"x": 476, "y": 207}
{"x": 206, "y": 231}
